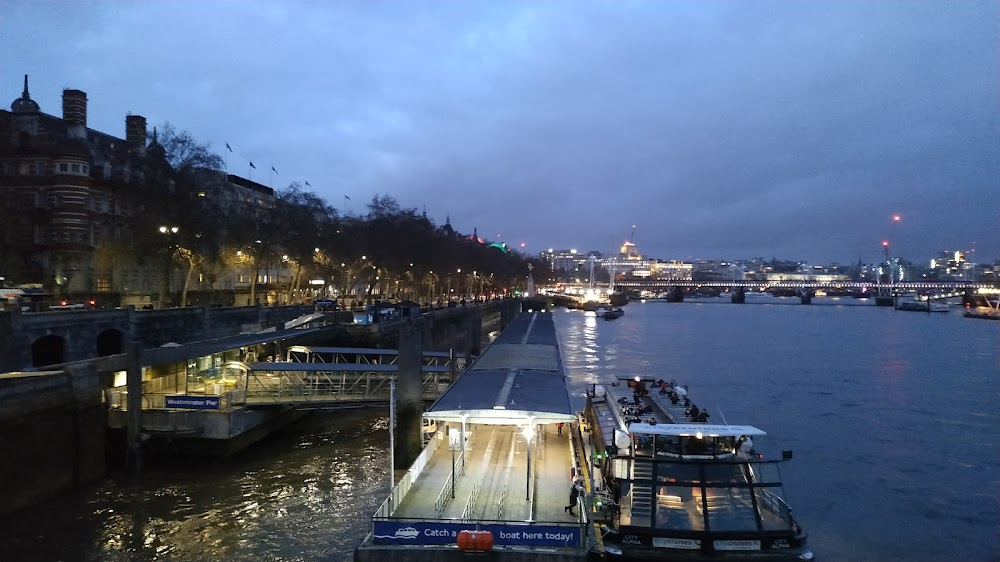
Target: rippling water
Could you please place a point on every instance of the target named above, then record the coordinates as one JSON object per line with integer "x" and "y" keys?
{"x": 306, "y": 493}
{"x": 893, "y": 417}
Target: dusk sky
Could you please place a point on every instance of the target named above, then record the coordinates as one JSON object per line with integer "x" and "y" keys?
{"x": 791, "y": 129}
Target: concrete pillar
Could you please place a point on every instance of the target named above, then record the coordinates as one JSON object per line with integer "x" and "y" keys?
{"x": 739, "y": 296}
{"x": 90, "y": 422}
{"x": 133, "y": 384}
{"x": 676, "y": 294}
{"x": 409, "y": 402}
{"x": 806, "y": 296}
{"x": 475, "y": 331}
{"x": 453, "y": 349}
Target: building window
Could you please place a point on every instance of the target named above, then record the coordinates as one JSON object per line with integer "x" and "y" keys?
{"x": 103, "y": 285}
{"x": 107, "y": 171}
{"x": 75, "y": 168}
{"x": 86, "y": 169}
{"x": 63, "y": 167}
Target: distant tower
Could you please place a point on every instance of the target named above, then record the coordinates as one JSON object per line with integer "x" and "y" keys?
{"x": 26, "y": 113}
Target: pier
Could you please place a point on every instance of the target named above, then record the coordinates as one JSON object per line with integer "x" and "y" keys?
{"x": 500, "y": 460}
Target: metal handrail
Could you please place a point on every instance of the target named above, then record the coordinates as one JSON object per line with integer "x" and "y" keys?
{"x": 470, "y": 505}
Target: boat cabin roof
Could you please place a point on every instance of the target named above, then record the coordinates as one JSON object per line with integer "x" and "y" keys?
{"x": 690, "y": 429}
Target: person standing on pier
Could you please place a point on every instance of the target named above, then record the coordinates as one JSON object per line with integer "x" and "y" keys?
{"x": 574, "y": 494}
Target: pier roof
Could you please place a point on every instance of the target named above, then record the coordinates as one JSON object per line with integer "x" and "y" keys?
{"x": 519, "y": 379}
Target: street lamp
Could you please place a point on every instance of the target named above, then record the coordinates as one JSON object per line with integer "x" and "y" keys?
{"x": 529, "y": 434}
{"x": 169, "y": 232}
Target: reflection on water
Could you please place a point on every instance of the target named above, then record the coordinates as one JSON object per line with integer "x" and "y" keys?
{"x": 893, "y": 418}
{"x": 304, "y": 494}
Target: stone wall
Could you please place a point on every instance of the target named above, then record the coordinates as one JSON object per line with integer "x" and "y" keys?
{"x": 52, "y": 429}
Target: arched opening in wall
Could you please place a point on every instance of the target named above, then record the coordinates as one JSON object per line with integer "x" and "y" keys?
{"x": 110, "y": 342}
{"x": 48, "y": 350}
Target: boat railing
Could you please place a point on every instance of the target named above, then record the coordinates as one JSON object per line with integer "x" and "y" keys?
{"x": 776, "y": 505}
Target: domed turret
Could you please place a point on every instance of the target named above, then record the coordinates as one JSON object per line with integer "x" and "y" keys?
{"x": 24, "y": 104}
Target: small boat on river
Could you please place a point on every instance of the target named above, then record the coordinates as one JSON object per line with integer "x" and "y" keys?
{"x": 613, "y": 313}
{"x": 667, "y": 488}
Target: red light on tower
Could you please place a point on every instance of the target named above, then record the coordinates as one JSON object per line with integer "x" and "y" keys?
{"x": 885, "y": 243}
{"x": 522, "y": 244}
{"x": 896, "y": 218}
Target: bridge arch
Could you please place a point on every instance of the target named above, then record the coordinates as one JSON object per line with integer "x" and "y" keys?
{"x": 48, "y": 350}
{"x": 110, "y": 342}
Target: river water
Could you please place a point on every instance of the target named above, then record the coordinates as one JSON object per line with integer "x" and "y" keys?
{"x": 893, "y": 418}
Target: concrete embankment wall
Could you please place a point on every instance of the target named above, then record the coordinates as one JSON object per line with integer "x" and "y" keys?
{"x": 52, "y": 429}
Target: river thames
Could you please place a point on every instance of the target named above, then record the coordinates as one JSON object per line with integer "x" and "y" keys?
{"x": 893, "y": 418}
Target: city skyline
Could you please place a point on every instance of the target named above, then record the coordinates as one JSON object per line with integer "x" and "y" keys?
{"x": 716, "y": 131}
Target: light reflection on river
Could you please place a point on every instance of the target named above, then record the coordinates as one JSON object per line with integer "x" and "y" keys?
{"x": 893, "y": 417}
{"x": 306, "y": 493}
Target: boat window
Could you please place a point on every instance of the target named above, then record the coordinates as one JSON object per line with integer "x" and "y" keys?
{"x": 725, "y": 473}
{"x": 668, "y": 444}
{"x": 668, "y": 473}
{"x": 643, "y": 444}
{"x": 765, "y": 473}
{"x": 676, "y": 508}
{"x": 730, "y": 509}
{"x": 695, "y": 446}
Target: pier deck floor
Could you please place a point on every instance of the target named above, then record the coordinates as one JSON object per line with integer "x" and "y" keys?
{"x": 551, "y": 459}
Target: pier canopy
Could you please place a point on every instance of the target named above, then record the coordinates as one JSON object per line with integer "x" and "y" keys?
{"x": 518, "y": 380}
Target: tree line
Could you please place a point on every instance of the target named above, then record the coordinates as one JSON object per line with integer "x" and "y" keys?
{"x": 181, "y": 221}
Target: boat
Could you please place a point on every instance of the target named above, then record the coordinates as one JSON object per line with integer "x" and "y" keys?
{"x": 666, "y": 488}
{"x": 916, "y": 303}
{"x": 613, "y": 313}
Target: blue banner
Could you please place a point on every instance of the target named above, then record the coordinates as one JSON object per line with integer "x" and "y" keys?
{"x": 446, "y": 532}
{"x": 192, "y": 402}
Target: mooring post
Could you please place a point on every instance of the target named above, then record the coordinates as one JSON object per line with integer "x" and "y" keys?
{"x": 409, "y": 399}
{"x": 133, "y": 384}
{"x": 452, "y": 346}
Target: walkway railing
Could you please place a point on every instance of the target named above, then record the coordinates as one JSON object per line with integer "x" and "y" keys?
{"x": 449, "y": 486}
{"x": 470, "y": 506}
{"x": 399, "y": 492}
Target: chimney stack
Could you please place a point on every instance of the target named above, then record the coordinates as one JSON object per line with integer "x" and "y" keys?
{"x": 135, "y": 134}
{"x": 75, "y": 113}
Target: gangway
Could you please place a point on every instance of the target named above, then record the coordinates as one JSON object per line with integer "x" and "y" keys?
{"x": 288, "y": 384}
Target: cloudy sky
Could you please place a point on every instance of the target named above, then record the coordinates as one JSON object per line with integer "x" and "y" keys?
{"x": 719, "y": 129}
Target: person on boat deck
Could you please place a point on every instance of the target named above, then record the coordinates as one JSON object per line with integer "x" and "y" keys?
{"x": 574, "y": 493}
{"x": 694, "y": 412}
{"x": 703, "y": 417}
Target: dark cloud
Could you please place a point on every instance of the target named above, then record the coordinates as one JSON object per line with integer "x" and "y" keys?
{"x": 720, "y": 129}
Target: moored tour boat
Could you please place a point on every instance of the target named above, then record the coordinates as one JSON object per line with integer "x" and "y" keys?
{"x": 686, "y": 490}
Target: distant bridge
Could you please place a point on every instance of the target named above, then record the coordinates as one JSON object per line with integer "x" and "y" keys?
{"x": 901, "y": 286}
